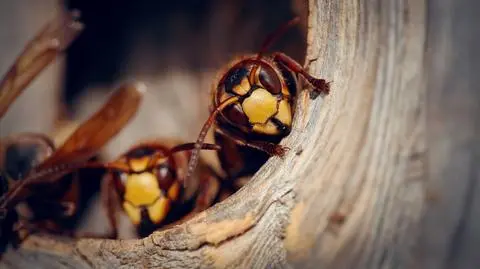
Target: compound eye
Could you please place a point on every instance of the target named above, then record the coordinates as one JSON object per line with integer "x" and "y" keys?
{"x": 165, "y": 176}
{"x": 163, "y": 172}
{"x": 269, "y": 79}
{"x": 120, "y": 180}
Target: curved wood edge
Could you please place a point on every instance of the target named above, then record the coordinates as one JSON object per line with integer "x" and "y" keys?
{"x": 363, "y": 205}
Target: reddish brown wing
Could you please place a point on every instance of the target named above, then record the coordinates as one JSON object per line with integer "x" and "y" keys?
{"x": 100, "y": 128}
{"x": 83, "y": 143}
{"x": 54, "y": 38}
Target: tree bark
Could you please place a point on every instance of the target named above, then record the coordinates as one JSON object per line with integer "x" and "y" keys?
{"x": 382, "y": 173}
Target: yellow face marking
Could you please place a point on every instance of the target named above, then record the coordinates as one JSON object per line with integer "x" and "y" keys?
{"x": 139, "y": 164}
{"x": 142, "y": 189}
{"x": 242, "y": 88}
{"x": 174, "y": 191}
{"x": 260, "y": 106}
{"x": 269, "y": 128}
{"x": 132, "y": 212}
{"x": 159, "y": 210}
{"x": 284, "y": 114}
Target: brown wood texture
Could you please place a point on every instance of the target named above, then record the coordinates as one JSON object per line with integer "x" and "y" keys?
{"x": 382, "y": 173}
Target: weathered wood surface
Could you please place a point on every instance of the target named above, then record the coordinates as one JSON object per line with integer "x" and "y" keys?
{"x": 450, "y": 231}
{"x": 382, "y": 173}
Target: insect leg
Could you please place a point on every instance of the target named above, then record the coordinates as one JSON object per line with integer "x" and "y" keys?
{"x": 267, "y": 147}
{"x": 319, "y": 85}
{"x": 208, "y": 190}
{"x": 109, "y": 195}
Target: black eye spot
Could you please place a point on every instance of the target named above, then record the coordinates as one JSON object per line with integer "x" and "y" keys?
{"x": 20, "y": 159}
{"x": 234, "y": 78}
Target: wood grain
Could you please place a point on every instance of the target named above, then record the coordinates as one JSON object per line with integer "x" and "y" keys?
{"x": 382, "y": 173}
{"x": 450, "y": 229}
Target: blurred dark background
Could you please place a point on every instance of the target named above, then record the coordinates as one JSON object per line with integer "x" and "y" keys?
{"x": 176, "y": 48}
{"x": 127, "y": 38}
